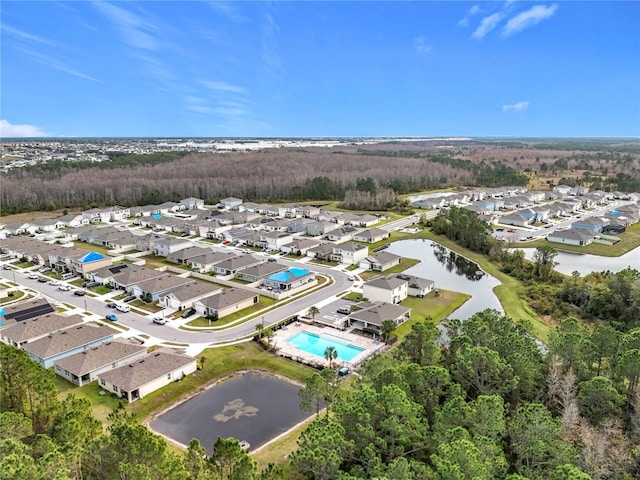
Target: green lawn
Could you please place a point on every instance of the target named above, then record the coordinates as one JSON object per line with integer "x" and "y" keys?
{"x": 326, "y": 264}
{"x": 628, "y": 241}
{"x": 91, "y": 247}
{"x": 149, "y": 307}
{"x": 438, "y": 308}
{"x": 102, "y": 404}
{"x": 263, "y": 302}
{"x": 12, "y": 297}
{"x": 405, "y": 264}
{"x": 102, "y": 290}
{"x": 219, "y": 363}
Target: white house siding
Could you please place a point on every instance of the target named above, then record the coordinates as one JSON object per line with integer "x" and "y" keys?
{"x": 164, "y": 380}
{"x": 375, "y": 294}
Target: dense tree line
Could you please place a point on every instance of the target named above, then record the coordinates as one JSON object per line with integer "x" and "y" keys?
{"x": 464, "y": 227}
{"x": 490, "y": 404}
{"x": 42, "y": 438}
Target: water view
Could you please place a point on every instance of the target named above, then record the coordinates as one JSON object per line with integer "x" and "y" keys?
{"x": 451, "y": 271}
{"x": 569, "y": 262}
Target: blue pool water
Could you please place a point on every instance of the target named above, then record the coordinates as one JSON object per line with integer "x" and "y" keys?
{"x": 316, "y": 345}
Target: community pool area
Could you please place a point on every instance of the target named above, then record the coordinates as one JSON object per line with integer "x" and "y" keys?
{"x": 316, "y": 344}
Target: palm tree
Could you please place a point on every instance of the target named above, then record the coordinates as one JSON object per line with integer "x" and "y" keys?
{"x": 386, "y": 329}
{"x": 259, "y": 328}
{"x": 330, "y": 354}
{"x": 313, "y": 311}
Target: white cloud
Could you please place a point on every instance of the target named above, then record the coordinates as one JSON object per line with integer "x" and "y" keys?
{"x": 228, "y": 10}
{"x": 516, "y": 107}
{"x": 8, "y": 130}
{"x": 421, "y": 45}
{"x": 472, "y": 11}
{"x": 135, "y": 30}
{"x": 487, "y": 24}
{"x": 527, "y": 19}
{"x": 29, "y": 37}
{"x": 55, "y": 63}
{"x": 222, "y": 86}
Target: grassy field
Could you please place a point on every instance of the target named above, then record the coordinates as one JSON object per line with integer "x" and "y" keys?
{"x": 628, "y": 241}
{"x": 405, "y": 264}
{"x": 438, "y": 308}
{"x": 102, "y": 404}
{"x": 90, "y": 247}
{"x": 12, "y": 298}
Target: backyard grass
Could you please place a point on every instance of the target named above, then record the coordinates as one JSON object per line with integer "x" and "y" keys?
{"x": 102, "y": 405}
{"x": 278, "y": 452}
{"x": 405, "y": 264}
{"x": 628, "y": 241}
{"x": 438, "y": 308}
{"x": 219, "y": 363}
{"x": 90, "y": 247}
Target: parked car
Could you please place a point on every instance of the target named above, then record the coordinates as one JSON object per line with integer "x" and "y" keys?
{"x": 42, "y": 279}
{"x": 351, "y": 278}
{"x": 128, "y": 299}
{"x": 344, "y": 310}
{"x": 188, "y": 313}
{"x": 54, "y": 283}
{"x": 6, "y": 267}
{"x": 159, "y": 320}
{"x": 79, "y": 293}
{"x": 111, "y": 317}
{"x": 64, "y": 287}
{"x": 271, "y": 260}
{"x": 112, "y": 305}
{"x": 32, "y": 276}
{"x": 90, "y": 284}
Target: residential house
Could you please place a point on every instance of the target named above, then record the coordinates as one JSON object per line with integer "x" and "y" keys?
{"x": 276, "y": 226}
{"x": 32, "y": 329}
{"x": 299, "y": 246}
{"x": 21, "y": 311}
{"x": 231, "y": 202}
{"x": 16, "y": 228}
{"x": 259, "y": 223}
{"x": 490, "y": 204}
{"x": 562, "y": 189}
{"x": 322, "y": 252}
{"x": 146, "y": 375}
{"x": 154, "y": 288}
{"x": 350, "y": 253}
{"x": 289, "y": 211}
{"x": 366, "y": 220}
{"x": 63, "y": 343}
{"x": 126, "y": 278}
{"x": 226, "y": 302}
{"x": 381, "y": 261}
{"x": 308, "y": 211}
{"x": 205, "y": 263}
{"x": 319, "y": 228}
{"x": 372, "y": 235}
{"x": 591, "y": 224}
{"x": 43, "y": 225}
{"x": 290, "y": 279}
{"x": 165, "y": 208}
{"x": 374, "y": 315}
{"x": 579, "y": 190}
{"x": 170, "y": 245}
{"x": 573, "y": 236}
{"x": 260, "y": 271}
{"x": 342, "y": 234}
{"x": 184, "y": 255}
{"x": 192, "y": 203}
{"x": 88, "y": 262}
{"x": 274, "y": 240}
{"x": 516, "y": 219}
{"x": 299, "y": 225}
{"x": 185, "y": 296}
{"x": 230, "y": 266}
{"x": 417, "y": 286}
{"x": 389, "y": 289}
{"x": 84, "y": 367}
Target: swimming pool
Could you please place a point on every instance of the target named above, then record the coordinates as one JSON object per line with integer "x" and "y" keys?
{"x": 317, "y": 344}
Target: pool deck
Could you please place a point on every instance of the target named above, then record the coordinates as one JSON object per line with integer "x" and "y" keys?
{"x": 289, "y": 350}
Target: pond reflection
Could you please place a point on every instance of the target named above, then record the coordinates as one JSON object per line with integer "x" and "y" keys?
{"x": 457, "y": 263}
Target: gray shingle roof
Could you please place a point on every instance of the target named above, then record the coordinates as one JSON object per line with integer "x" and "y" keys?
{"x": 96, "y": 357}
{"x": 227, "y": 298}
{"x": 388, "y": 283}
{"x": 68, "y": 339}
{"x": 35, "y": 327}
{"x": 139, "y": 373}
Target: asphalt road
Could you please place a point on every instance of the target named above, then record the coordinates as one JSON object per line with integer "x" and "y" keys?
{"x": 170, "y": 333}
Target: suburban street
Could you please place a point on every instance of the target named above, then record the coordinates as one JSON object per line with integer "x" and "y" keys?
{"x": 169, "y": 332}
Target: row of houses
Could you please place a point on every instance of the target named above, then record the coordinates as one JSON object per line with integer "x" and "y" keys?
{"x": 84, "y": 352}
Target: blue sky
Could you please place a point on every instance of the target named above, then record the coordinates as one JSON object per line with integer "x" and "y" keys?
{"x": 302, "y": 68}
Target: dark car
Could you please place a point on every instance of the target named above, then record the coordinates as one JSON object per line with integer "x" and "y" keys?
{"x": 111, "y": 305}
{"x": 111, "y": 317}
{"x": 188, "y": 313}
{"x": 79, "y": 293}
{"x": 42, "y": 279}
{"x": 128, "y": 299}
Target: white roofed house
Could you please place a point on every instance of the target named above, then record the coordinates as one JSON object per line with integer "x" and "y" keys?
{"x": 231, "y": 202}
{"x": 185, "y": 296}
{"x": 371, "y": 235}
{"x": 16, "y": 228}
{"x": 381, "y": 261}
{"x": 366, "y": 220}
{"x": 260, "y": 271}
{"x": 84, "y": 367}
{"x": 152, "y": 289}
{"x": 226, "y": 302}
{"x": 350, "y": 253}
{"x": 389, "y": 289}
{"x": 47, "y": 224}
{"x": 170, "y": 245}
{"x": 289, "y": 211}
{"x": 146, "y": 375}
{"x": 192, "y": 203}
{"x": 342, "y": 234}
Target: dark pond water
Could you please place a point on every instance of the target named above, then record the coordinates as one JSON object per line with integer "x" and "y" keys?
{"x": 450, "y": 271}
{"x": 254, "y": 407}
{"x": 569, "y": 262}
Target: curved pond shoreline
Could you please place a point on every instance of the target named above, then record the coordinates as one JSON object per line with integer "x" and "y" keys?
{"x": 585, "y": 263}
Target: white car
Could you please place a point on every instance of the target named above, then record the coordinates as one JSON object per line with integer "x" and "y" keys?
{"x": 32, "y": 276}
{"x": 54, "y": 283}
{"x": 64, "y": 287}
